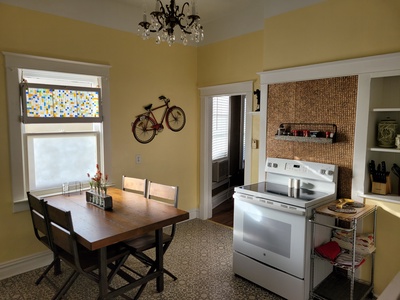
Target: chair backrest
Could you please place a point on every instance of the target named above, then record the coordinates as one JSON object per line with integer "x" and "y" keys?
{"x": 163, "y": 193}
{"x": 166, "y": 194}
{"x": 136, "y": 185}
{"x": 38, "y": 214}
{"x": 62, "y": 232}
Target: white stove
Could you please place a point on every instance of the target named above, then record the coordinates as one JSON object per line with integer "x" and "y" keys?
{"x": 271, "y": 240}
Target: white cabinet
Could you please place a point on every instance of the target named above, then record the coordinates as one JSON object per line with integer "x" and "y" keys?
{"x": 380, "y": 94}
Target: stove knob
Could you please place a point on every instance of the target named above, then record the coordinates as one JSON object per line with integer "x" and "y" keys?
{"x": 330, "y": 172}
{"x": 275, "y": 165}
{"x": 323, "y": 171}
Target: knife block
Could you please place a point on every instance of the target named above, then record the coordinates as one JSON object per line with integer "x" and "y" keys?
{"x": 381, "y": 188}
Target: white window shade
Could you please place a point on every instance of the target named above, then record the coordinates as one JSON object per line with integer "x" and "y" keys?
{"x": 220, "y": 127}
{"x": 55, "y": 159}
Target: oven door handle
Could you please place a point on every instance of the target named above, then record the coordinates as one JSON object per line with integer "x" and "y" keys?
{"x": 271, "y": 204}
{"x": 281, "y": 207}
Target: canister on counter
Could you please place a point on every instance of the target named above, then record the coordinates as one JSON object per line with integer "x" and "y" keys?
{"x": 387, "y": 131}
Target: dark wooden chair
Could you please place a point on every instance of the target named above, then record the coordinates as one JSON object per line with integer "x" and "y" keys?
{"x": 135, "y": 185}
{"x": 41, "y": 230}
{"x": 169, "y": 196}
{"x": 80, "y": 259}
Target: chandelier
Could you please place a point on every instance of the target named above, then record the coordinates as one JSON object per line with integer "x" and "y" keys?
{"x": 164, "y": 19}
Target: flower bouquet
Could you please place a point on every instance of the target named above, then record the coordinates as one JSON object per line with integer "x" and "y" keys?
{"x": 98, "y": 190}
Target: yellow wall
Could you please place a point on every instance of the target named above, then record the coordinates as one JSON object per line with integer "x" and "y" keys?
{"x": 387, "y": 258}
{"x": 332, "y": 30}
{"x": 140, "y": 72}
{"x": 234, "y": 60}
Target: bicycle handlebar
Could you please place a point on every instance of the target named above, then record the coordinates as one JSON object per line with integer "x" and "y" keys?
{"x": 165, "y": 99}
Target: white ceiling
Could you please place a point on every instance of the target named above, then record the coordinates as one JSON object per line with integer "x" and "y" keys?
{"x": 221, "y": 19}
{"x": 208, "y": 9}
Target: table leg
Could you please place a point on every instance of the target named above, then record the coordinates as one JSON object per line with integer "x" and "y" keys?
{"x": 103, "y": 285}
{"x": 159, "y": 260}
{"x": 57, "y": 266}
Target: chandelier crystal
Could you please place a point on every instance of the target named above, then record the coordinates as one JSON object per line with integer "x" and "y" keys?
{"x": 164, "y": 19}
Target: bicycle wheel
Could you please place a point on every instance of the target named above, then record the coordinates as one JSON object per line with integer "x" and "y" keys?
{"x": 176, "y": 118}
{"x": 143, "y": 129}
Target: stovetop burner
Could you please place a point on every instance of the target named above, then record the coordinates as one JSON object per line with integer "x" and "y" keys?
{"x": 269, "y": 188}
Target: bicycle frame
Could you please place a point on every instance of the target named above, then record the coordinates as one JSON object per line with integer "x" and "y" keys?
{"x": 150, "y": 114}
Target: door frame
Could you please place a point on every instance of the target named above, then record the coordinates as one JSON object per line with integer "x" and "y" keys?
{"x": 206, "y": 95}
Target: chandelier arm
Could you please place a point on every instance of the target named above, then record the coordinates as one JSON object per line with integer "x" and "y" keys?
{"x": 180, "y": 16}
{"x": 144, "y": 24}
{"x": 193, "y": 19}
{"x": 183, "y": 6}
{"x": 157, "y": 15}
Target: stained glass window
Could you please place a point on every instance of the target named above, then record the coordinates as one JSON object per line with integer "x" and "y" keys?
{"x": 51, "y": 103}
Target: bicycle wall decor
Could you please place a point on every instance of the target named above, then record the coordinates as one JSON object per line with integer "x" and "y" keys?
{"x": 145, "y": 127}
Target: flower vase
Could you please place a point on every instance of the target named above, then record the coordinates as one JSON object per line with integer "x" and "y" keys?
{"x": 98, "y": 192}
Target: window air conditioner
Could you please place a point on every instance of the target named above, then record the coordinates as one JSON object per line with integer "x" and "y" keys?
{"x": 220, "y": 170}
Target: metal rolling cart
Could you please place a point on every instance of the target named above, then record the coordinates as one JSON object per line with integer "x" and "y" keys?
{"x": 342, "y": 283}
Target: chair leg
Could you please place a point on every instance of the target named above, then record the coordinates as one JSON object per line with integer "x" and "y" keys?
{"x": 45, "y": 272}
{"x": 116, "y": 267}
{"x": 57, "y": 266}
{"x": 170, "y": 274}
{"x": 56, "y": 263}
{"x": 142, "y": 287}
{"x": 133, "y": 271}
{"x": 150, "y": 262}
{"x": 66, "y": 286}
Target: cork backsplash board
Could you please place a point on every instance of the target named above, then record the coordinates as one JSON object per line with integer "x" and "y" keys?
{"x": 331, "y": 100}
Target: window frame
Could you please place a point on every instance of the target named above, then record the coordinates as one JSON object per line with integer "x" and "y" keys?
{"x": 13, "y": 63}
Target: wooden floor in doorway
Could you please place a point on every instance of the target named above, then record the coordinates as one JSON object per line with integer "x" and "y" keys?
{"x": 223, "y": 213}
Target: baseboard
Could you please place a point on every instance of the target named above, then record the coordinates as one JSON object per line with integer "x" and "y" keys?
{"x": 194, "y": 213}
{"x": 222, "y": 197}
{"x": 25, "y": 264}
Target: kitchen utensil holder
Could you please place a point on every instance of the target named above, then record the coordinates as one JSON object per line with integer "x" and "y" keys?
{"x": 380, "y": 187}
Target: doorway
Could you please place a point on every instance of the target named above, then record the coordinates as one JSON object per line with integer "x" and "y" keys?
{"x": 244, "y": 89}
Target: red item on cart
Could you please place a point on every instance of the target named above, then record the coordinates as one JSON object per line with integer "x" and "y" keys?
{"x": 329, "y": 250}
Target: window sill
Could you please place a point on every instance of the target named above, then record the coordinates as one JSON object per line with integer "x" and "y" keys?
{"x": 21, "y": 205}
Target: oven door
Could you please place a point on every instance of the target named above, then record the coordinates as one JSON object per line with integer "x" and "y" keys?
{"x": 275, "y": 237}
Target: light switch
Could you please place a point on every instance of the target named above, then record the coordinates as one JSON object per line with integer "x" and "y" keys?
{"x": 138, "y": 159}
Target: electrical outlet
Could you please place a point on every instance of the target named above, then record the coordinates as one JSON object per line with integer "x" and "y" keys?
{"x": 138, "y": 159}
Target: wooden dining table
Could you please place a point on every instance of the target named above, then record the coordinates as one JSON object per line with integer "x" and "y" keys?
{"x": 132, "y": 215}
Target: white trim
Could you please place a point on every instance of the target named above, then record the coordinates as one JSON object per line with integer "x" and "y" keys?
{"x": 13, "y": 62}
{"x": 372, "y": 64}
{"x": 206, "y": 94}
{"x": 391, "y": 291}
{"x": 366, "y": 68}
{"x": 25, "y": 264}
